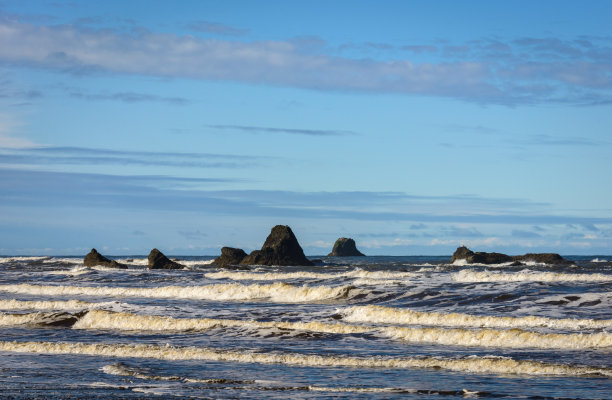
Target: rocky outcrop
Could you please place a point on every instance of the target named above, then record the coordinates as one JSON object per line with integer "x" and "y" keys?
{"x": 345, "y": 247}
{"x": 157, "y": 260}
{"x": 463, "y": 253}
{"x": 229, "y": 256}
{"x": 281, "y": 248}
{"x": 545, "y": 258}
{"x": 93, "y": 258}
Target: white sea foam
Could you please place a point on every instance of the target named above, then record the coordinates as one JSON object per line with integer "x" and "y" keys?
{"x": 513, "y": 338}
{"x": 598, "y": 260}
{"x": 527, "y": 276}
{"x": 4, "y": 260}
{"x": 405, "y": 316}
{"x": 275, "y": 292}
{"x": 47, "y": 305}
{"x": 276, "y": 276}
{"x": 471, "y": 364}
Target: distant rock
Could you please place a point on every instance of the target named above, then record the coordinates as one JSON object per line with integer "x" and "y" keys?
{"x": 93, "y": 258}
{"x": 463, "y": 253}
{"x": 281, "y": 248}
{"x": 230, "y": 256}
{"x": 157, "y": 260}
{"x": 545, "y": 258}
{"x": 345, "y": 247}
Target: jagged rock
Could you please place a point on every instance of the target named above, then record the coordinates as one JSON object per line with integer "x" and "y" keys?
{"x": 281, "y": 248}
{"x": 229, "y": 256}
{"x": 463, "y": 253}
{"x": 94, "y": 258}
{"x": 345, "y": 247}
{"x": 546, "y": 258}
{"x": 157, "y": 260}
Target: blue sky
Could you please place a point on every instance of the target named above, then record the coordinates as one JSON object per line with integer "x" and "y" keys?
{"x": 412, "y": 126}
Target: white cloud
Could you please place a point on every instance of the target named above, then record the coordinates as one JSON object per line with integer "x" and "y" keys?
{"x": 8, "y": 138}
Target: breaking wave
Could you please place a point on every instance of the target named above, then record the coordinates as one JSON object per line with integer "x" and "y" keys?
{"x": 527, "y": 276}
{"x": 46, "y": 305}
{"x": 513, "y": 338}
{"x": 277, "y": 276}
{"x": 391, "y": 315}
{"x": 274, "y": 292}
{"x": 473, "y": 364}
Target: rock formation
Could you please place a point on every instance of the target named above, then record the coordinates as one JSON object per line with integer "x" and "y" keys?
{"x": 463, "y": 253}
{"x": 94, "y": 258}
{"x": 345, "y": 247}
{"x": 157, "y": 260}
{"x": 281, "y": 248}
{"x": 229, "y": 256}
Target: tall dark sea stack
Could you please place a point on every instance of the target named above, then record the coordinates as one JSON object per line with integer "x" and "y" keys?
{"x": 345, "y": 247}
{"x": 281, "y": 248}
{"x": 157, "y": 260}
{"x": 93, "y": 258}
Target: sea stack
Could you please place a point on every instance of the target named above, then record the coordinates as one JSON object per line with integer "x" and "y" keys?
{"x": 157, "y": 260}
{"x": 230, "y": 256}
{"x": 93, "y": 258}
{"x": 281, "y": 248}
{"x": 463, "y": 253}
{"x": 345, "y": 247}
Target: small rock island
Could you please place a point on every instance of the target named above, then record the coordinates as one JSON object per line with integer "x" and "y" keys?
{"x": 480, "y": 257}
{"x": 280, "y": 248}
{"x": 157, "y": 260}
{"x": 93, "y": 258}
{"x": 345, "y": 247}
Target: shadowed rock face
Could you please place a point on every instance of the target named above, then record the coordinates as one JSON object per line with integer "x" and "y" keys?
{"x": 93, "y": 258}
{"x": 229, "y": 256}
{"x": 463, "y": 253}
{"x": 345, "y": 247}
{"x": 157, "y": 260}
{"x": 281, "y": 248}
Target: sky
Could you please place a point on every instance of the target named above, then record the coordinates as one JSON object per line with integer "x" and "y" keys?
{"x": 413, "y": 127}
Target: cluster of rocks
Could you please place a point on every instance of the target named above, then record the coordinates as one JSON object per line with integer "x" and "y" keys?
{"x": 156, "y": 259}
{"x": 280, "y": 248}
{"x": 480, "y": 257}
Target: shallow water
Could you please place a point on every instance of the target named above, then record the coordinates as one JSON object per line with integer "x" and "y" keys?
{"x": 370, "y": 327}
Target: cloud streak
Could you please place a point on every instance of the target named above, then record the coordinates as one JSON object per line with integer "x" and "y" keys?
{"x": 290, "y": 131}
{"x": 527, "y": 70}
{"x": 92, "y": 156}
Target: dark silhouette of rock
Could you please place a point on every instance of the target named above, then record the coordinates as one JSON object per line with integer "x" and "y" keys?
{"x": 157, "y": 260}
{"x": 546, "y": 258}
{"x": 229, "y": 256}
{"x": 463, "y": 253}
{"x": 281, "y": 248}
{"x": 345, "y": 247}
{"x": 94, "y": 258}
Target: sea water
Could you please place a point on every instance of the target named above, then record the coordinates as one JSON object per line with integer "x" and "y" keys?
{"x": 366, "y": 327}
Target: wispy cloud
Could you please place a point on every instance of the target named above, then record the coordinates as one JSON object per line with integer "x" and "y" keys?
{"x": 44, "y": 188}
{"x": 92, "y": 156}
{"x": 216, "y": 28}
{"x": 128, "y": 97}
{"x": 290, "y": 131}
{"x": 485, "y": 70}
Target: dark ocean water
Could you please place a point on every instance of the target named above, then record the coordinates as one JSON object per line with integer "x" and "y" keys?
{"x": 370, "y": 327}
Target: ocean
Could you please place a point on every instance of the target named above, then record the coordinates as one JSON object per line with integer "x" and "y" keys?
{"x": 364, "y": 327}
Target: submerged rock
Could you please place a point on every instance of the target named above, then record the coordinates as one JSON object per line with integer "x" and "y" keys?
{"x": 345, "y": 247}
{"x": 229, "y": 256}
{"x": 463, "y": 253}
{"x": 157, "y": 260}
{"x": 93, "y": 258}
{"x": 281, "y": 248}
